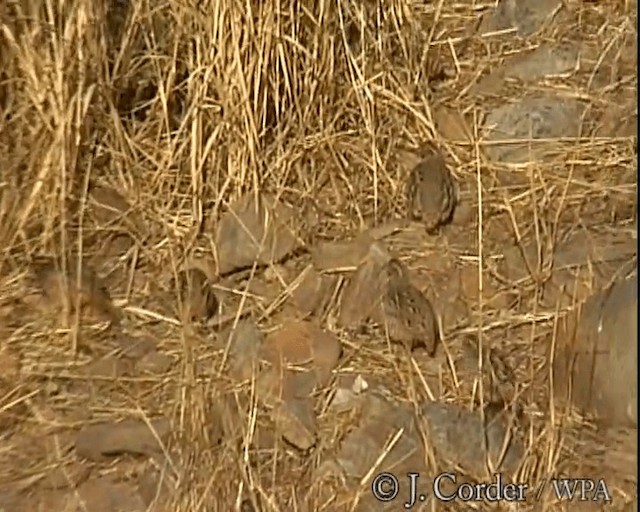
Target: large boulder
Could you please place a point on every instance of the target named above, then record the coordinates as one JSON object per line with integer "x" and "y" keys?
{"x": 596, "y": 356}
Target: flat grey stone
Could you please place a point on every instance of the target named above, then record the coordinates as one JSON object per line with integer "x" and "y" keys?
{"x": 456, "y": 435}
{"x": 534, "y": 120}
{"x": 597, "y": 356}
{"x": 547, "y": 60}
{"x": 526, "y": 16}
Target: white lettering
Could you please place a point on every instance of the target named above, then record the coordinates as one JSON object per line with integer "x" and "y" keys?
{"x": 469, "y": 492}
{"x": 581, "y": 489}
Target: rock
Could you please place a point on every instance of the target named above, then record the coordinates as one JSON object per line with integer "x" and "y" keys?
{"x": 311, "y": 291}
{"x": 364, "y": 289}
{"x": 12, "y": 407}
{"x": 111, "y": 209}
{"x": 66, "y": 475}
{"x": 110, "y": 367}
{"x": 346, "y": 255}
{"x": 273, "y": 386}
{"x": 451, "y": 124}
{"x": 129, "y": 436}
{"x": 134, "y": 346}
{"x": 11, "y": 500}
{"x": 301, "y": 359}
{"x": 154, "y": 363}
{"x": 297, "y": 421}
{"x": 255, "y": 229}
{"x": 546, "y": 60}
{"x": 526, "y": 16}
{"x": 456, "y": 435}
{"x": 596, "y": 355}
{"x": 156, "y": 485}
{"x": 349, "y": 390}
{"x": 581, "y": 262}
{"x": 9, "y": 364}
{"x": 105, "y": 495}
{"x": 381, "y": 421}
{"x": 620, "y": 119}
{"x": 244, "y": 343}
{"x": 102, "y": 494}
{"x": 231, "y": 411}
{"x": 531, "y": 117}
{"x": 114, "y": 247}
{"x": 619, "y": 452}
{"x": 342, "y": 255}
{"x": 305, "y": 347}
{"x": 490, "y": 295}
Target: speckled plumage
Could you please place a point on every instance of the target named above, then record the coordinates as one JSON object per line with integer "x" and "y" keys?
{"x": 405, "y": 311}
{"x": 89, "y": 291}
{"x": 198, "y": 301}
{"x": 431, "y": 192}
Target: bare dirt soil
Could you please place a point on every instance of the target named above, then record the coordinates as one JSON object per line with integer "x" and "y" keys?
{"x": 234, "y": 177}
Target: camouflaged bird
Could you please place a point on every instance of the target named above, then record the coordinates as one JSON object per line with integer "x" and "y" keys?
{"x": 406, "y": 313}
{"x": 198, "y": 302}
{"x": 64, "y": 290}
{"x": 430, "y": 191}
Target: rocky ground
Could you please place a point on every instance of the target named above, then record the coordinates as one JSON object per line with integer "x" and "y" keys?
{"x": 318, "y": 244}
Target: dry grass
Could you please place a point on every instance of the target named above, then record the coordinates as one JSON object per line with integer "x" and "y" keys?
{"x": 189, "y": 104}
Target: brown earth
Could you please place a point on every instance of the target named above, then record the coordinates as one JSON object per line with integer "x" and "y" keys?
{"x": 262, "y": 144}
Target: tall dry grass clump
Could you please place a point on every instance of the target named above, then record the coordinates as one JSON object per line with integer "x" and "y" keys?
{"x": 184, "y": 105}
{"x": 205, "y": 99}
